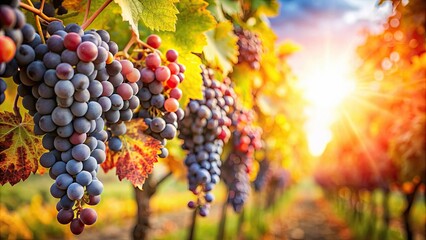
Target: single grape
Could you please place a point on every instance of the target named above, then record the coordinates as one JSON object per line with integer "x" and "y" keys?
{"x": 88, "y": 216}
{"x": 65, "y": 216}
{"x": 95, "y": 188}
{"x": 87, "y": 51}
{"x": 76, "y": 226}
{"x": 152, "y": 61}
{"x": 171, "y": 55}
{"x": 84, "y": 178}
{"x": 75, "y": 191}
{"x": 72, "y": 41}
{"x": 171, "y": 105}
{"x": 115, "y": 144}
{"x": 154, "y": 41}
{"x": 7, "y": 47}
{"x": 125, "y": 91}
{"x": 162, "y": 73}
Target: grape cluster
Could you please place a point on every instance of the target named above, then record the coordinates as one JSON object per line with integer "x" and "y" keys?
{"x": 159, "y": 93}
{"x": 3, "y": 87}
{"x": 205, "y": 130}
{"x": 245, "y": 140}
{"x": 13, "y": 31}
{"x": 262, "y": 175}
{"x": 118, "y": 98}
{"x": 62, "y": 87}
{"x": 50, "y": 9}
{"x": 249, "y": 47}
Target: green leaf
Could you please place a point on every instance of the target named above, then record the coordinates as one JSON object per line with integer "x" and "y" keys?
{"x": 216, "y": 10}
{"x": 231, "y": 7}
{"x": 155, "y": 14}
{"x": 221, "y": 50}
{"x": 243, "y": 76}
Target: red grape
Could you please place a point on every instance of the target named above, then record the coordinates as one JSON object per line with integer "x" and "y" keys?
{"x": 7, "y": 16}
{"x": 78, "y": 138}
{"x": 153, "y": 41}
{"x": 133, "y": 76}
{"x": 88, "y": 216}
{"x": 87, "y": 51}
{"x": 127, "y": 66}
{"x": 125, "y": 91}
{"x": 176, "y": 93}
{"x": 8, "y": 48}
{"x": 76, "y": 226}
{"x": 162, "y": 73}
{"x": 174, "y": 68}
{"x": 72, "y": 40}
{"x": 173, "y": 81}
{"x": 153, "y": 61}
{"x": 171, "y": 55}
{"x": 147, "y": 75}
{"x": 171, "y": 105}
{"x": 93, "y": 200}
{"x": 65, "y": 216}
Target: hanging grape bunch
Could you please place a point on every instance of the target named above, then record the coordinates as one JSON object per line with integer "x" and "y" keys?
{"x": 159, "y": 92}
{"x": 12, "y": 22}
{"x": 62, "y": 86}
{"x": 13, "y": 30}
{"x": 246, "y": 139}
{"x": 205, "y": 130}
{"x": 249, "y": 47}
{"x": 262, "y": 175}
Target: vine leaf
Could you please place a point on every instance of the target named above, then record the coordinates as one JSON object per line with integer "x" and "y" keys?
{"x": 155, "y": 14}
{"x": 221, "y": 50}
{"x": 20, "y": 149}
{"x": 231, "y": 7}
{"x": 136, "y": 160}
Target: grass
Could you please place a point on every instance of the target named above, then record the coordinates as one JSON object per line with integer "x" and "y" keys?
{"x": 366, "y": 224}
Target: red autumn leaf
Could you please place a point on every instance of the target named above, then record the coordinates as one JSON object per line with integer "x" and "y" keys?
{"x": 20, "y": 149}
{"x": 136, "y": 160}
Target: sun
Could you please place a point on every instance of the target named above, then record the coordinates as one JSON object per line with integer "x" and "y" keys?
{"x": 325, "y": 87}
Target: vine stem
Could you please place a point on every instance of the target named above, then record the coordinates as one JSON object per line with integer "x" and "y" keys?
{"x": 95, "y": 15}
{"x": 16, "y": 108}
{"x": 164, "y": 178}
{"x": 86, "y": 14}
{"x": 222, "y": 223}
{"x": 192, "y": 229}
{"x": 37, "y": 12}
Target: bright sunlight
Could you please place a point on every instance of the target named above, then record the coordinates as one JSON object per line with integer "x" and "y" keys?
{"x": 325, "y": 88}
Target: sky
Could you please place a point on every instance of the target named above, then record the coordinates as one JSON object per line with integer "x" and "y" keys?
{"x": 329, "y": 32}
{"x": 325, "y": 28}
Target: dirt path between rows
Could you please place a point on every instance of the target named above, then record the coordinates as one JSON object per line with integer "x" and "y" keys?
{"x": 309, "y": 218}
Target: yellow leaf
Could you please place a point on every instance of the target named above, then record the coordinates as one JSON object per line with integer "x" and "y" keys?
{"x": 221, "y": 50}
{"x": 20, "y": 149}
